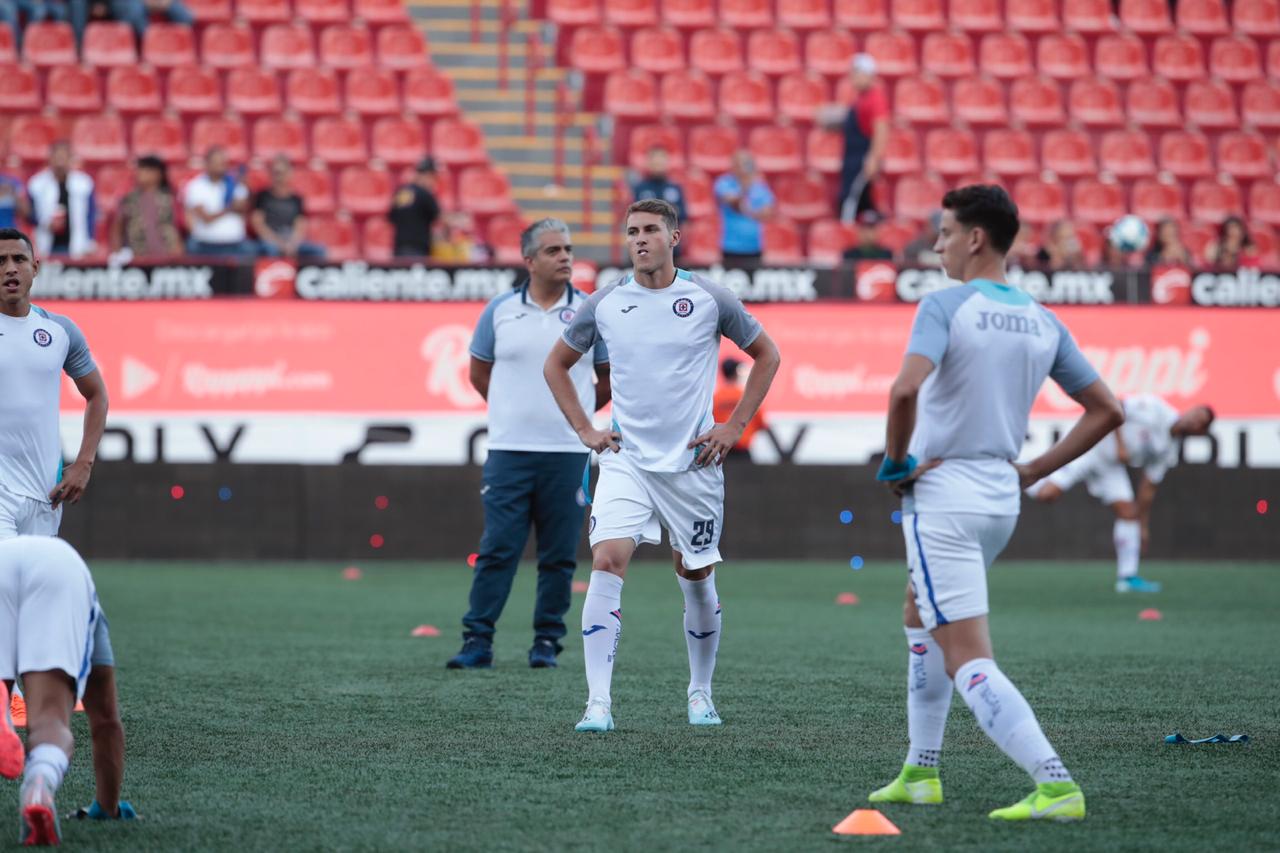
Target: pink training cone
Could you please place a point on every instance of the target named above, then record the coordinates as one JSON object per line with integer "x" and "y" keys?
{"x": 846, "y": 598}
{"x": 352, "y": 573}
{"x": 866, "y": 822}
{"x": 1151, "y": 615}
{"x": 426, "y": 631}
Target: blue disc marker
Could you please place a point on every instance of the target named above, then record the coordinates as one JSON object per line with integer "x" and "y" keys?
{"x": 855, "y": 563}
{"x": 224, "y": 494}
{"x": 846, "y": 516}
{"x": 896, "y": 518}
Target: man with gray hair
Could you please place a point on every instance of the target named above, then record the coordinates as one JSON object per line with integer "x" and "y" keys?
{"x": 536, "y": 462}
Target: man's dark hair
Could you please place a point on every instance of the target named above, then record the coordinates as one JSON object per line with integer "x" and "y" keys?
{"x": 988, "y": 207}
{"x": 656, "y": 205}
{"x": 15, "y": 234}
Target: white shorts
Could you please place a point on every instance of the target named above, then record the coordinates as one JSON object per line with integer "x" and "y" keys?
{"x": 631, "y": 503}
{"x": 948, "y": 555}
{"x": 1106, "y": 480}
{"x": 21, "y": 515}
{"x": 48, "y": 610}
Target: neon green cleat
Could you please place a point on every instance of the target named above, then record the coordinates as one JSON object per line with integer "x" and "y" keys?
{"x": 917, "y": 785}
{"x": 1049, "y": 801}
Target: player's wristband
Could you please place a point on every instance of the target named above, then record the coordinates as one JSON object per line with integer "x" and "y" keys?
{"x": 891, "y": 470}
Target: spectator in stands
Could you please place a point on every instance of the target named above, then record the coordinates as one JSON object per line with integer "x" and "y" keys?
{"x": 726, "y": 400}
{"x": 457, "y": 241}
{"x": 656, "y": 184}
{"x": 216, "y": 202}
{"x": 414, "y": 211}
{"x": 745, "y": 202}
{"x": 1234, "y": 249}
{"x": 146, "y": 224}
{"x": 868, "y": 247}
{"x": 63, "y": 206}
{"x": 15, "y": 209}
{"x": 137, "y": 13}
{"x": 920, "y": 249}
{"x": 1061, "y": 249}
{"x": 1167, "y": 247}
{"x": 279, "y": 217}
{"x": 865, "y": 124}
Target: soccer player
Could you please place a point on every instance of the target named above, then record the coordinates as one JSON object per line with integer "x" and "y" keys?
{"x": 535, "y": 462}
{"x": 660, "y": 461}
{"x": 1149, "y": 440}
{"x": 48, "y": 609}
{"x": 976, "y": 359}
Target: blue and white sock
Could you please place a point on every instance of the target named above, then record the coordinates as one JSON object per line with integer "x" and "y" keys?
{"x": 928, "y": 698}
{"x": 1128, "y": 538}
{"x": 702, "y": 623}
{"x": 49, "y": 762}
{"x": 1008, "y": 720}
{"x": 601, "y": 629}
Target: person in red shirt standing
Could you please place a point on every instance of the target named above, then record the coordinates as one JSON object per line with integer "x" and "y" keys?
{"x": 726, "y": 400}
{"x": 865, "y": 124}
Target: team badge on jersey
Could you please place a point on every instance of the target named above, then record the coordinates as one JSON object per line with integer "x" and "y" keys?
{"x": 683, "y": 307}
{"x": 566, "y": 315}
{"x": 42, "y": 337}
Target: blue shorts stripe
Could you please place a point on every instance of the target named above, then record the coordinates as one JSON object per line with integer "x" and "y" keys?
{"x": 924, "y": 566}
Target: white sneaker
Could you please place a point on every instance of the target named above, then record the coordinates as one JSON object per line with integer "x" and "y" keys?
{"x": 597, "y": 717}
{"x": 701, "y": 711}
{"x": 39, "y": 819}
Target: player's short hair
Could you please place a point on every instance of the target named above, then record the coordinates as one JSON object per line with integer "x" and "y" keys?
{"x": 15, "y": 234}
{"x": 1213, "y": 416}
{"x": 656, "y": 205}
{"x": 530, "y": 236}
{"x": 988, "y": 207}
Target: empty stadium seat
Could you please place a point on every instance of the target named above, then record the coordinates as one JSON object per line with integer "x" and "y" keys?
{"x": 801, "y": 197}
{"x": 699, "y": 199}
{"x": 337, "y": 234}
{"x": 688, "y": 14}
{"x": 716, "y": 51}
{"x": 977, "y": 16}
{"x": 1154, "y": 200}
{"x": 863, "y": 16}
{"x": 429, "y": 91}
{"x": 229, "y": 46}
{"x": 340, "y": 141}
{"x": 647, "y": 136}
{"x": 776, "y": 149}
{"x": 49, "y": 43}
{"x": 774, "y": 52}
{"x": 253, "y": 91}
{"x": 829, "y": 52}
{"x": 781, "y": 243}
{"x": 374, "y": 92}
{"x": 894, "y": 52}
{"x": 1095, "y": 101}
{"x": 323, "y": 11}
{"x": 1040, "y": 202}
{"x": 978, "y": 100}
{"x": 109, "y": 44}
{"x": 1256, "y": 17}
{"x": 73, "y": 89}
{"x": 1202, "y": 17}
{"x": 1273, "y": 58}
{"x": 502, "y": 235}
{"x": 948, "y": 152}
{"x": 1005, "y": 55}
{"x": 1097, "y": 202}
{"x": 160, "y": 135}
{"x": 1260, "y": 104}
{"x": 345, "y": 48}
{"x": 111, "y": 183}
{"x": 397, "y": 141}
{"x": 687, "y": 96}
{"x": 1032, "y": 16}
{"x": 312, "y": 91}
{"x": 363, "y": 190}
{"x": 711, "y": 148}
{"x": 631, "y": 94}
{"x": 746, "y": 96}
{"x": 573, "y": 13}
{"x": 316, "y": 188}
{"x": 657, "y": 49}
{"x": 210, "y": 11}
{"x": 263, "y": 11}
{"x": 1120, "y": 56}
{"x": 746, "y": 14}
{"x": 1146, "y": 16}
{"x": 274, "y": 135}
{"x": 379, "y": 12}
{"x": 947, "y": 55}
{"x": 828, "y": 239}
{"x": 31, "y": 135}
{"x": 1062, "y": 56}
{"x": 8, "y": 49}
{"x": 918, "y": 15}
{"x": 1068, "y": 153}
{"x": 377, "y": 242}
{"x": 1036, "y": 101}
{"x": 1010, "y": 152}
{"x": 916, "y": 197}
{"x": 1210, "y": 104}
{"x": 1243, "y": 155}
{"x": 168, "y": 45}
{"x": 921, "y": 100}
{"x": 1088, "y": 17}
{"x": 228, "y": 133}
{"x": 901, "y": 152}
{"x": 401, "y": 47}
{"x": 1185, "y": 154}
{"x": 824, "y": 150}
{"x": 804, "y": 14}
{"x": 1178, "y": 57}
{"x": 1213, "y": 200}
{"x": 457, "y": 142}
{"x": 100, "y": 139}
{"x": 1264, "y": 201}
{"x": 1126, "y": 154}
{"x": 20, "y": 89}
{"x": 484, "y": 190}
{"x": 1235, "y": 59}
{"x": 801, "y": 95}
{"x": 1153, "y": 102}
{"x": 631, "y": 13}
{"x": 597, "y": 50}
{"x": 700, "y": 242}
{"x": 132, "y": 89}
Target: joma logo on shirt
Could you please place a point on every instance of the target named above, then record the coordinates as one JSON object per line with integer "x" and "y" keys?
{"x": 1007, "y": 323}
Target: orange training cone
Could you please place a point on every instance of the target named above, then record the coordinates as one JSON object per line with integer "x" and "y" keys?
{"x": 18, "y": 710}
{"x": 79, "y": 707}
{"x": 866, "y": 822}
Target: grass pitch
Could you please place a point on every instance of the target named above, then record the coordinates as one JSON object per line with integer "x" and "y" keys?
{"x": 282, "y": 707}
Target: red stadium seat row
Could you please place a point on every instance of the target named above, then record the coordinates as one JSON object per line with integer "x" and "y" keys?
{"x": 271, "y": 11}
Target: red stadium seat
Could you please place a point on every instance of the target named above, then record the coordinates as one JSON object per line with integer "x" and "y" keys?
{"x": 1264, "y": 202}
{"x": 484, "y": 190}
{"x": 1243, "y": 155}
{"x": 902, "y": 152}
{"x": 916, "y": 197}
{"x": 100, "y": 139}
{"x": 895, "y": 235}
{"x": 1267, "y": 245}
{"x": 377, "y": 242}
{"x": 1260, "y": 104}
{"x": 862, "y": 16}
{"x": 828, "y": 239}
{"x": 227, "y": 133}
{"x": 776, "y": 149}
{"x": 699, "y": 199}
{"x": 1235, "y": 59}
{"x": 340, "y": 141}
{"x": 8, "y": 50}
{"x": 379, "y": 12}
{"x": 631, "y": 13}
{"x": 921, "y": 100}
{"x": 132, "y": 89}
{"x": 711, "y": 147}
{"x": 631, "y": 94}
{"x": 1005, "y": 55}
{"x": 74, "y": 89}
{"x": 597, "y": 50}
{"x": 49, "y": 43}
{"x": 1153, "y": 102}
{"x": 316, "y": 188}
{"x": 1040, "y": 202}
{"x": 1062, "y": 56}
{"x": 746, "y": 14}
{"x": 169, "y": 45}
{"x": 687, "y": 96}
{"x": 1126, "y": 154}
{"x": 824, "y": 150}
{"x": 700, "y": 242}
{"x": 1154, "y": 200}
{"x": 273, "y": 135}
{"x": 774, "y": 52}
{"x": 1178, "y": 57}
{"x": 111, "y": 183}
{"x": 1088, "y": 17}
{"x": 1095, "y": 101}
{"x": 230, "y": 46}
{"x": 801, "y": 95}
{"x": 1032, "y": 16}
{"x": 346, "y": 48}
{"x": 402, "y": 46}
{"x": 746, "y": 96}
{"x": 323, "y": 11}
{"x": 162, "y": 136}
{"x": 574, "y": 13}
{"x": 363, "y": 190}
{"x": 804, "y": 14}
{"x": 1213, "y": 201}
{"x": 210, "y": 11}
{"x": 457, "y": 142}
{"x": 260, "y": 12}
{"x": 781, "y": 243}
{"x": 949, "y": 152}
{"x": 918, "y": 15}
{"x": 803, "y": 198}
{"x": 1036, "y": 101}
{"x": 1273, "y": 58}
{"x": 1010, "y": 153}
{"x": 829, "y": 52}
{"x": 894, "y": 52}
{"x": 312, "y": 91}
{"x": 688, "y": 14}
{"x": 428, "y": 91}
{"x": 502, "y": 235}
{"x": 977, "y": 16}
{"x": 979, "y": 100}
{"x": 31, "y": 135}
{"x": 1257, "y": 17}
{"x": 1068, "y": 153}
{"x": 1121, "y": 56}
{"x": 1197, "y": 236}
{"x": 288, "y": 46}
{"x": 195, "y": 89}
{"x": 1203, "y": 17}
{"x": 1097, "y": 202}
{"x": 658, "y": 50}
{"x": 337, "y": 234}
{"x": 716, "y": 51}
{"x": 109, "y": 44}
{"x": 1146, "y": 17}
{"x": 20, "y": 89}
{"x": 397, "y": 141}
{"x": 1185, "y": 154}
{"x": 253, "y": 91}
{"x": 1210, "y": 104}
{"x": 648, "y": 136}
{"x": 947, "y": 55}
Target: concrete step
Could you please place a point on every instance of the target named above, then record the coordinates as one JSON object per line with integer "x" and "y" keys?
{"x": 487, "y": 75}
{"x": 607, "y": 174}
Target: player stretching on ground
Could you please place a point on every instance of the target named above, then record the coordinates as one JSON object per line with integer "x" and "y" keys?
{"x": 48, "y": 609}
{"x": 1149, "y": 440}
{"x": 977, "y": 357}
{"x": 662, "y": 327}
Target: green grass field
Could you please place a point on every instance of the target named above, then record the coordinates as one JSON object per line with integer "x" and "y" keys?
{"x": 282, "y": 707}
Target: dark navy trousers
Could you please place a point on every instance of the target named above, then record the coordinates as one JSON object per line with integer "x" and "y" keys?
{"x": 523, "y": 488}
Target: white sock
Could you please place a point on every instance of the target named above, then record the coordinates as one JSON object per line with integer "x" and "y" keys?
{"x": 701, "y": 629}
{"x": 1008, "y": 720}
{"x": 48, "y": 761}
{"x": 928, "y": 698}
{"x": 601, "y": 628}
{"x": 1128, "y": 538}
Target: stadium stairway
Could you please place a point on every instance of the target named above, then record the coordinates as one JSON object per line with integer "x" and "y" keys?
{"x": 475, "y": 64}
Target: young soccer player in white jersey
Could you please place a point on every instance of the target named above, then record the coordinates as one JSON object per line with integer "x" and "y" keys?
{"x": 1149, "y": 440}
{"x": 48, "y": 608}
{"x": 660, "y": 463}
{"x": 976, "y": 359}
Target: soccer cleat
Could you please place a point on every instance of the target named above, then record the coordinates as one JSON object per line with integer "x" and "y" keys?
{"x": 701, "y": 711}
{"x": 543, "y": 654}
{"x": 919, "y": 786}
{"x": 475, "y": 654}
{"x": 1137, "y": 584}
{"x": 1049, "y": 801}
{"x": 12, "y": 755}
{"x": 39, "y": 817}
{"x": 597, "y": 718}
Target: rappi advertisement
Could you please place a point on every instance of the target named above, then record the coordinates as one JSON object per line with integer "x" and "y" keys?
{"x": 379, "y": 383}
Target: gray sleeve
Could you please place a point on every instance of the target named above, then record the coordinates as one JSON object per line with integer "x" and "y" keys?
{"x": 582, "y": 334}
{"x": 483, "y": 341}
{"x": 600, "y": 353}
{"x": 1071, "y": 370}
{"x": 736, "y": 322}
{"x": 79, "y": 360}
{"x": 931, "y": 331}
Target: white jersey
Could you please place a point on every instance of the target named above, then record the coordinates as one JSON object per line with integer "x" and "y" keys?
{"x": 1146, "y": 436}
{"x": 664, "y": 345}
{"x": 515, "y": 336}
{"x": 35, "y": 350}
{"x": 992, "y": 346}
